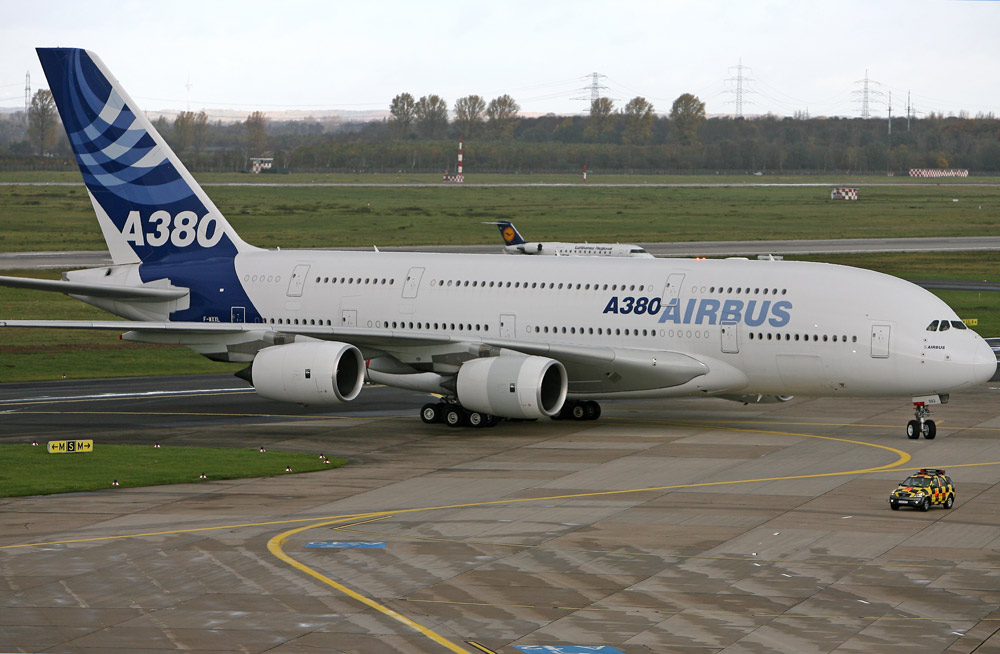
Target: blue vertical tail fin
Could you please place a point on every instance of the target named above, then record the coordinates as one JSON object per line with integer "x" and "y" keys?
{"x": 508, "y": 232}
{"x": 149, "y": 206}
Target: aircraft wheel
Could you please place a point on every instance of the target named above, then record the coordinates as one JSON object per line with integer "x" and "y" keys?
{"x": 592, "y": 410}
{"x": 579, "y": 411}
{"x": 566, "y": 412}
{"x": 913, "y": 430}
{"x": 477, "y": 419}
{"x": 930, "y": 429}
{"x": 491, "y": 420}
{"x": 431, "y": 413}
{"x": 454, "y": 417}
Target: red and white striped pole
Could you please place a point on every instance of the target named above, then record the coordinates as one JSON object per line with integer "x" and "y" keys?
{"x": 460, "y": 177}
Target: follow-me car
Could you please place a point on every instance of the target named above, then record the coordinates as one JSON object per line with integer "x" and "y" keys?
{"x": 927, "y": 487}
{"x": 496, "y": 336}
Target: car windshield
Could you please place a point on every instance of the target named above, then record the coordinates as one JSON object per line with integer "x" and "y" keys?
{"x": 916, "y": 481}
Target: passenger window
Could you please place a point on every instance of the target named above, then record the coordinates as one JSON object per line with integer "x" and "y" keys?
{"x": 933, "y": 326}
{"x": 958, "y": 324}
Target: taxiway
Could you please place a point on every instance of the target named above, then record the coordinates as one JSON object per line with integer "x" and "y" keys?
{"x": 680, "y": 526}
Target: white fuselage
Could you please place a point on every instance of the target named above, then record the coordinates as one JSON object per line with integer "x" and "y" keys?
{"x": 557, "y": 249}
{"x": 787, "y": 327}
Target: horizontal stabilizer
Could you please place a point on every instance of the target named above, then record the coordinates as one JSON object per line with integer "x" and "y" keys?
{"x": 95, "y": 290}
{"x": 131, "y": 325}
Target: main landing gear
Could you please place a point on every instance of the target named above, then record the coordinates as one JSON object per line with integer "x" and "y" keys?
{"x": 579, "y": 410}
{"x": 455, "y": 415}
{"x": 921, "y": 426}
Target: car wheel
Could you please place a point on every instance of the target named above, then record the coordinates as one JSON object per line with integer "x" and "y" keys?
{"x": 950, "y": 502}
{"x": 913, "y": 430}
{"x": 894, "y": 505}
{"x": 926, "y": 504}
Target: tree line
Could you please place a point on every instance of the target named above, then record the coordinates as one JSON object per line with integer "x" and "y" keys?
{"x": 420, "y": 134}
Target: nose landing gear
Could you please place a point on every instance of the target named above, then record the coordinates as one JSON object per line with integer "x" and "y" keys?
{"x": 921, "y": 426}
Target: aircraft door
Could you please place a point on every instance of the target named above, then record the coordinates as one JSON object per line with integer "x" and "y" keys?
{"x": 298, "y": 280}
{"x": 731, "y": 338}
{"x": 880, "y": 341}
{"x": 238, "y": 314}
{"x": 349, "y": 318}
{"x": 672, "y": 289}
{"x": 508, "y": 325}
{"x": 412, "y": 283}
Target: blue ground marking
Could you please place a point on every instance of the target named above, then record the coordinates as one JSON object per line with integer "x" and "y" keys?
{"x": 345, "y": 544}
{"x": 568, "y": 649}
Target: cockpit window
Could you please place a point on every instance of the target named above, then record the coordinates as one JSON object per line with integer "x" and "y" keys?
{"x": 933, "y": 326}
{"x": 944, "y": 326}
{"x": 958, "y": 324}
{"x": 637, "y": 251}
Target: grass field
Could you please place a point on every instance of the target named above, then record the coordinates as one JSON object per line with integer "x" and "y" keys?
{"x": 593, "y": 177}
{"x": 61, "y": 218}
{"x": 36, "y": 218}
{"x": 27, "y": 470}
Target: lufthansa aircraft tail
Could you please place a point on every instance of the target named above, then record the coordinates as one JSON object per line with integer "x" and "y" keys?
{"x": 150, "y": 208}
{"x": 508, "y": 232}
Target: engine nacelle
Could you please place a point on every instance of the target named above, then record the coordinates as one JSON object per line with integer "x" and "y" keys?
{"x": 321, "y": 372}
{"x": 513, "y": 386}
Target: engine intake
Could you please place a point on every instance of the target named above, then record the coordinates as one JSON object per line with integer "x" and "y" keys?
{"x": 308, "y": 373}
{"x": 513, "y": 386}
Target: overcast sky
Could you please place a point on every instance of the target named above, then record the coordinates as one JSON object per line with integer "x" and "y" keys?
{"x": 249, "y": 55}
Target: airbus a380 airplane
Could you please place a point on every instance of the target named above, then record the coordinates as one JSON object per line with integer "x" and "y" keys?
{"x": 496, "y": 336}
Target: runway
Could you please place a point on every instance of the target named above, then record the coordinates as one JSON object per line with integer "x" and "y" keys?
{"x": 680, "y": 526}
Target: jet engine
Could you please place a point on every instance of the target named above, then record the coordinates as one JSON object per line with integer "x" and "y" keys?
{"x": 321, "y": 372}
{"x": 512, "y": 386}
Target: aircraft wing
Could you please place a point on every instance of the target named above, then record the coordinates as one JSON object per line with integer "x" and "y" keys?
{"x": 604, "y": 369}
{"x": 355, "y": 336}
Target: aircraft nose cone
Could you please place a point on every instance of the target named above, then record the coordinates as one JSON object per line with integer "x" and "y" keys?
{"x": 984, "y": 362}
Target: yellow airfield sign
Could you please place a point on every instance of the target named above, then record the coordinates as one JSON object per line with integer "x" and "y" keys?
{"x": 65, "y": 447}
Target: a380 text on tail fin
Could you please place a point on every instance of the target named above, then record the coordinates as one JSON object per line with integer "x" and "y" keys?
{"x": 149, "y": 206}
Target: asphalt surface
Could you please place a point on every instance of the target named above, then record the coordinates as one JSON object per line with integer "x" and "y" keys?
{"x": 675, "y": 526}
